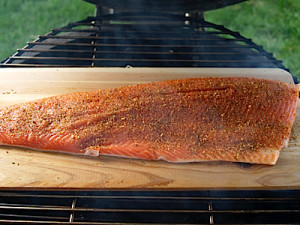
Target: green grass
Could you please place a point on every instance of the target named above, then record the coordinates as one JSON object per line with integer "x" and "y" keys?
{"x": 274, "y": 24}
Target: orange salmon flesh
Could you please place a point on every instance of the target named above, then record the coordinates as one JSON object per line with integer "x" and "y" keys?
{"x": 187, "y": 120}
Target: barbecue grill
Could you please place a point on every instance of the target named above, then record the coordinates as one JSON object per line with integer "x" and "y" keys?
{"x": 151, "y": 34}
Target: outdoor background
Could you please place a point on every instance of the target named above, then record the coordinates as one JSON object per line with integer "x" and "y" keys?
{"x": 274, "y": 24}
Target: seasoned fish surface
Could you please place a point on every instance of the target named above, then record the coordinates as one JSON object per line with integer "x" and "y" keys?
{"x": 187, "y": 120}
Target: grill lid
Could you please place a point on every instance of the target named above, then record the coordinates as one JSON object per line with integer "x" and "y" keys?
{"x": 165, "y": 5}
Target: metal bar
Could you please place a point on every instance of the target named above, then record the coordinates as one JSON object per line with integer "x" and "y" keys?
{"x": 137, "y": 26}
{"x": 83, "y": 223}
{"x": 91, "y": 23}
{"x": 33, "y": 216}
{"x": 151, "y": 32}
{"x": 73, "y": 30}
{"x": 139, "y": 60}
{"x": 137, "y": 52}
{"x": 138, "y": 38}
{"x": 141, "y": 45}
{"x": 38, "y": 65}
{"x": 138, "y": 14}
{"x": 37, "y": 206}
{"x": 149, "y": 210}
{"x": 135, "y": 16}
{"x": 55, "y": 50}
{"x": 141, "y": 19}
{"x": 144, "y": 17}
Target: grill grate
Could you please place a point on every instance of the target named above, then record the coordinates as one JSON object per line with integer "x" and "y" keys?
{"x": 141, "y": 40}
{"x": 151, "y": 207}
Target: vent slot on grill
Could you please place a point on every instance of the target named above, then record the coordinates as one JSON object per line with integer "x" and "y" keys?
{"x": 152, "y": 207}
{"x": 141, "y": 40}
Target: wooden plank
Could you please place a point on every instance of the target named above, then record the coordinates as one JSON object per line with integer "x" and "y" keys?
{"x": 23, "y": 168}
{"x": 65, "y": 80}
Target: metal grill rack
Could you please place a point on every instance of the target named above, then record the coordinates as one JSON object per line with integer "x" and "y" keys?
{"x": 142, "y": 40}
{"x": 150, "y": 207}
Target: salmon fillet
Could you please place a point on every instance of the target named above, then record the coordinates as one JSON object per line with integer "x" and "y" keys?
{"x": 187, "y": 120}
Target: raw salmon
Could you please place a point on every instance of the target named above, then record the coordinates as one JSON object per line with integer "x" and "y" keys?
{"x": 187, "y": 120}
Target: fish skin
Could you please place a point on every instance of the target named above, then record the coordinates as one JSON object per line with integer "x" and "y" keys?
{"x": 188, "y": 120}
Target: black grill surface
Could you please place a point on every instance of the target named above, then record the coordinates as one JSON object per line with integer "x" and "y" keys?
{"x": 143, "y": 40}
{"x": 150, "y": 207}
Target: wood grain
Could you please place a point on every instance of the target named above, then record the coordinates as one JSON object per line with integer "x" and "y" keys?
{"x": 24, "y": 168}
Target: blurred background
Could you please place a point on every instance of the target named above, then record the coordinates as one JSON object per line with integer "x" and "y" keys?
{"x": 274, "y": 24}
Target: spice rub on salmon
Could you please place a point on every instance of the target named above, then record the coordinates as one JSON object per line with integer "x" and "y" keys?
{"x": 187, "y": 120}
